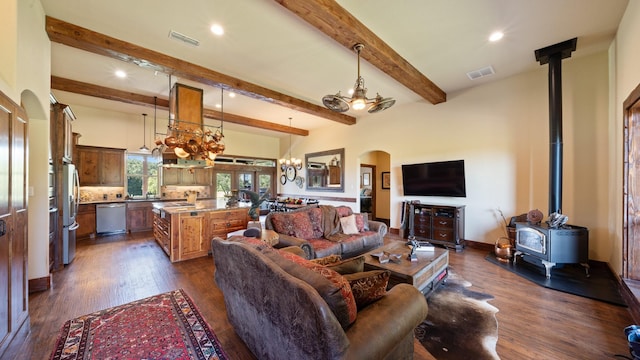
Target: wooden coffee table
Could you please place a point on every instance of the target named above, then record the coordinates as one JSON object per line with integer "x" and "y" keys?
{"x": 425, "y": 274}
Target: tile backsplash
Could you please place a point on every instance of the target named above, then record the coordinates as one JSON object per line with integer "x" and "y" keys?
{"x": 97, "y": 193}
{"x": 179, "y": 192}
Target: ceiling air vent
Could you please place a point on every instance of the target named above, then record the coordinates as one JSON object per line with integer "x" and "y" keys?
{"x": 476, "y": 74}
{"x": 184, "y": 38}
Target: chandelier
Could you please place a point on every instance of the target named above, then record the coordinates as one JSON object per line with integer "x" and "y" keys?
{"x": 291, "y": 161}
{"x": 358, "y": 99}
{"x": 195, "y": 141}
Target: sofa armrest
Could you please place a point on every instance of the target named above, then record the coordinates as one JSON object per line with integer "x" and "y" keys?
{"x": 383, "y": 324}
{"x": 286, "y": 240}
{"x": 378, "y": 226}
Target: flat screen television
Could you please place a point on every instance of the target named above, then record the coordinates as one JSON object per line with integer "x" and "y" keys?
{"x": 443, "y": 178}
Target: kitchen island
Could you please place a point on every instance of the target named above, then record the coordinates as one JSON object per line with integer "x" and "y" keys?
{"x": 184, "y": 230}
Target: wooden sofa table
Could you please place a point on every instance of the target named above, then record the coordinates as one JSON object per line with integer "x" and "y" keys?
{"x": 425, "y": 274}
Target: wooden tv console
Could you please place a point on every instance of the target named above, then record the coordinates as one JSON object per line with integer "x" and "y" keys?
{"x": 438, "y": 224}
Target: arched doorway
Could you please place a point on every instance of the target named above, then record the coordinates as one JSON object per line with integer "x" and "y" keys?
{"x": 375, "y": 199}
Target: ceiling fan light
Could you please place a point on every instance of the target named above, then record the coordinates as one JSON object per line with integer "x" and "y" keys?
{"x": 358, "y": 104}
{"x": 358, "y": 100}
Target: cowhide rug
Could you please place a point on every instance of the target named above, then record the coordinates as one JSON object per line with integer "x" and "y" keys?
{"x": 461, "y": 324}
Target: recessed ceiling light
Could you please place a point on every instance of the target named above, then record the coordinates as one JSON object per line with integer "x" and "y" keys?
{"x": 232, "y": 94}
{"x": 121, "y": 74}
{"x": 217, "y": 29}
{"x": 218, "y": 106}
{"x": 496, "y": 36}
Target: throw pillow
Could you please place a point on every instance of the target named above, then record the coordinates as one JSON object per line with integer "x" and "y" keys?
{"x": 315, "y": 215}
{"x": 327, "y": 260}
{"x": 362, "y": 222}
{"x": 348, "y": 266}
{"x": 295, "y": 224}
{"x": 368, "y": 286}
{"x": 349, "y": 225}
{"x": 330, "y": 285}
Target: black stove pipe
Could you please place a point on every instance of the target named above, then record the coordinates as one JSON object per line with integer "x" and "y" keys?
{"x": 553, "y": 55}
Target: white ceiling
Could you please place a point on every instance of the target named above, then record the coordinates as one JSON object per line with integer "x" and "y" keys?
{"x": 267, "y": 45}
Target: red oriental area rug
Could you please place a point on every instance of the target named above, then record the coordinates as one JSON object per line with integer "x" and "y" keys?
{"x": 165, "y": 326}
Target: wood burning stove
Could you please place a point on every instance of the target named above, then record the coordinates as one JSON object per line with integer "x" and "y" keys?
{"x": 567, "y": 244}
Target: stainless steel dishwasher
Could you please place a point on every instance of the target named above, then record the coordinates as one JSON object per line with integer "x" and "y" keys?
{"x": 111, "y": 218}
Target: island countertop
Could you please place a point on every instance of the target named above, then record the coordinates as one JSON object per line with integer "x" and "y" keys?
{"x": 184, "y": 230}
{"x": 176, "y": 207}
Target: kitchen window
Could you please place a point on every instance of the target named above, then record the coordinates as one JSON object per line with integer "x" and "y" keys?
{"x": 142, "y": 176}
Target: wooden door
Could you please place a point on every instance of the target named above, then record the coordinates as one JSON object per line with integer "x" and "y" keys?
{"x": 191, "y": 235}
{"x": 5, "y": 219}
{"x": 631, "y": 187}
{"x": 19, "y": 240}
{"x": 112, "y": 168}
{"x": 88, "y": 160}
{"x": 170, "y": 176}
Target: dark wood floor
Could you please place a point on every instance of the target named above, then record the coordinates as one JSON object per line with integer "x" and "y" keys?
{"x": 534, "y": 322}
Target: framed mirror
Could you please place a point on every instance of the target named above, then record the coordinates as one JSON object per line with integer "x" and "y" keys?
{"x": 325, "y": 170}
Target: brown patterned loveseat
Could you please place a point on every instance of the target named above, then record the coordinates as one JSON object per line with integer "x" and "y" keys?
{"x": 320, "y": 230}
{"x": 286, "y": 307}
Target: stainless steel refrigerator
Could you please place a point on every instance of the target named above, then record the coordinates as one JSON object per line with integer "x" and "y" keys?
{"x": 70, "y": 199}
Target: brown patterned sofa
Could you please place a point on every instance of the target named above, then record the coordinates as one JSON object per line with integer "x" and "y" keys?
{"x": 284, "y": 306}
{"x": 320, "y": 230}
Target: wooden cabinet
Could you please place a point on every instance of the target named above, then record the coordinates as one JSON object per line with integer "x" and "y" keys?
{"x": 14, "y": 311}
{"x": 139, "y": 216}
{"x": 162, "y": 230}
{"x": 187, "y": 234}
{"x": 86, "y": 219}
{"x": 53, "y": 235}
{"x": 222, "y": 222}
{"x": 439, "y": 224}
{"x": 180, "y": 176}
{"x": 99, "y": 166}
{"x": 192, "y": 242}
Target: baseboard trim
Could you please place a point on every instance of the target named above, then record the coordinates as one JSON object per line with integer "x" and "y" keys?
{"x": 479, "y": 245}
{"x": 39, "y": 284}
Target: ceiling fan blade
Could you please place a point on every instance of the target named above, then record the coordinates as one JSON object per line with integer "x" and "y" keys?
{"x": 381, "y": 104}
{"x": 335, "y": 103}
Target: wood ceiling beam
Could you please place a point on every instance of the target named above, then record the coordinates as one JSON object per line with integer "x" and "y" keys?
{"x": 336, "y": 22}
{"x": 102, "y": 92}
{"x": 91, "y": 41}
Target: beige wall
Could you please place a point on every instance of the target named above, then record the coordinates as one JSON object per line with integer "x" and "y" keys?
{"x": 626, "y": 76}
{"x": 99, "y": 127}
{"x": 501, "y": 131}
{"x": 26, "y": 52}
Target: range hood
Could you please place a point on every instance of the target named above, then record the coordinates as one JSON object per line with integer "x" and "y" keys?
{"x": 188, "y": 140}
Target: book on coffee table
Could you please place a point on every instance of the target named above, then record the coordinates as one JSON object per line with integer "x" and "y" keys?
{"x": 424, "y": 246}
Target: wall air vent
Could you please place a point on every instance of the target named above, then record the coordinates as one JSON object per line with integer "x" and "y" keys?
{"x": 184, "y": 38}
{"x": 476, "y": 74}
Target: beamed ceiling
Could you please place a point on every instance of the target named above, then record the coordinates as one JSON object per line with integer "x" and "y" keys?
{"x": 280, "y": 57}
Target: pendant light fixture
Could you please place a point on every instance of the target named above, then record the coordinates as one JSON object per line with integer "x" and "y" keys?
{"x": 291, "y": 161}
{"x": 358, "y": 99}
{"x": 144, "y": 147}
